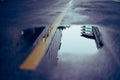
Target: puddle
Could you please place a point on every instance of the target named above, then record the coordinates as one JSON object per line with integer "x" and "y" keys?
{"x": 74, "y": 43}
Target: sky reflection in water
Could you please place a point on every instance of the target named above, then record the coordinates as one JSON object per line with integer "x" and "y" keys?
{"x": 74, "y": 45}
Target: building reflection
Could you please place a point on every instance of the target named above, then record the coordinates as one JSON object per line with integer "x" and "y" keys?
{"x": 50, "y": 59}
{"x": 92, "y": 32}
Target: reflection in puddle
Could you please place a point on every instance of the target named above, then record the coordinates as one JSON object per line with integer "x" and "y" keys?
{"x": 75, "y": 55}
{"x": 31, "y": 34}
{"x": 74, "y": 43}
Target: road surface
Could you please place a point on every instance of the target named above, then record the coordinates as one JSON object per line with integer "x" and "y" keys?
{"x": 38, "y": 52}
{"x": 18, "y": 15}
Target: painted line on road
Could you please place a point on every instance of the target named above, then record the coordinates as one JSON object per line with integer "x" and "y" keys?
{"x": 38, "y": 52}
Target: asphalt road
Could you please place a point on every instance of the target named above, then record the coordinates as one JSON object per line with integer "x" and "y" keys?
{"x": 17, "y": 15}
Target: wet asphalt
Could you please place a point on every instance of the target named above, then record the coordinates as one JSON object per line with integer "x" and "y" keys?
{"x": 76, "y": 59}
